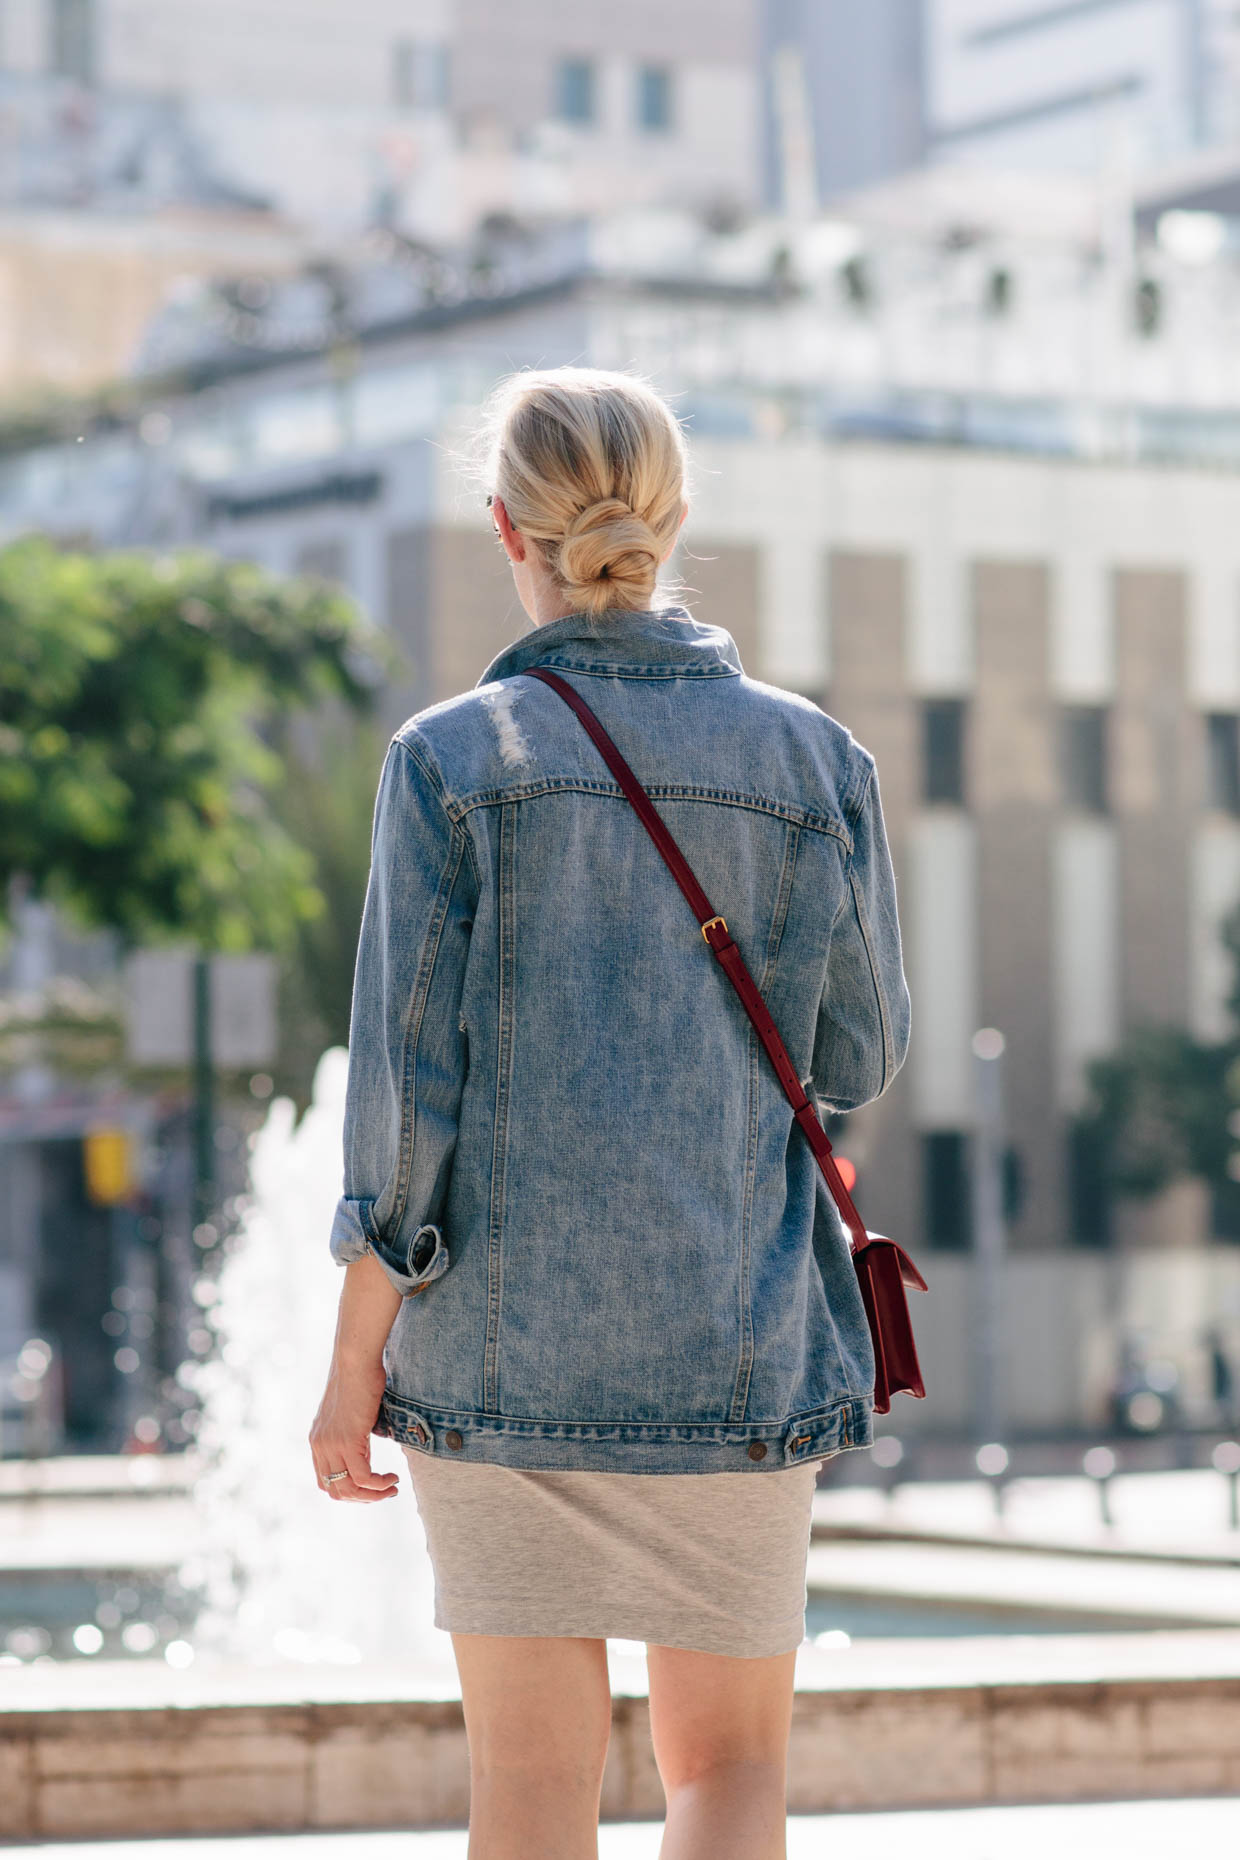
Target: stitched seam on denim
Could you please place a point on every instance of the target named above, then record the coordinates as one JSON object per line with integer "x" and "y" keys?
{"x": 425, "y": 760}
{"x": 863, "y": 775}
{"x": 779, "y": 923}
{"x": 779, "y": 917}
{"x": 671, "y": 791}
{"x": 835, "y": 1328}
{"x": 883, "y": 1017}
{"x": 845, "y": 891}
{"x": 503, "y": 1086}
{"x": 837, "y": 1220}
{"x": 598, "y": 668}
{"x": 800, "y": 1418}
{"x": 413, "y": 1026}
{"x": 422, "y": 755}
{"x": 474, "y": 856}
{"x": 420, "y": 752}
{"x": 744, "y": 1364}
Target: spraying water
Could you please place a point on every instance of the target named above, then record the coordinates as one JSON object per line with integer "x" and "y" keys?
{"x": 286, "y": 1574}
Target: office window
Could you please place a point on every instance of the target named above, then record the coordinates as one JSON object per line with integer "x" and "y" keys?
{"x": 574, "y": 90}
{"x": 1084, "y": 753}
{"x": 1223, "y": 761}
{"x": 72, "y": 48}
{"x": 1225, "y": 1211}
{"x": 1014, "y": 1186}
{"x": 947, "y": 1190}
{"x": 419, "y": 75}
{"x": 654, "y": 97}
{"x": 942, "y": 738}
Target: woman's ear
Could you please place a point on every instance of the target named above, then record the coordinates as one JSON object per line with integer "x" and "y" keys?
{"x": 511, "y": 537}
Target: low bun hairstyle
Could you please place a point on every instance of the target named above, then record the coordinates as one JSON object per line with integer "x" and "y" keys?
{"x": 591, "y": 465}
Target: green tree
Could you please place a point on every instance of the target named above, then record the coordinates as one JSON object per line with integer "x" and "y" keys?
{"x": 326, "y": 805}
{"x": 142, "y": 702}
{"x": 1165, "y": 1105}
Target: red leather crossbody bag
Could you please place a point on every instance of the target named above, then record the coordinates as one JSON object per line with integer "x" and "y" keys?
{"x": 883, "y": 1268}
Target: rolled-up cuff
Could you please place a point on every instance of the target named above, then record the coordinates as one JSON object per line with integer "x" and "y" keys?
{"x": 350, "y": 1237}
{"x": 353, "y": 1236}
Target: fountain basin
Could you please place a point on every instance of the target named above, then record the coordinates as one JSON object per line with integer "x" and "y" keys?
{"x": 128, "y": 1749}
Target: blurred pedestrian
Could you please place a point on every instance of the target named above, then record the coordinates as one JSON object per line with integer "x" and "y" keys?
{"x": 594, "y": 1286}
{"x": 1222, "y": 1378}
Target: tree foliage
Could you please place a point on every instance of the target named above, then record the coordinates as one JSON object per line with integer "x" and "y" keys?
{"x": 1164, "y": 1105}
{"x": 141, "y": 701}
{"x": 327, "y": 805}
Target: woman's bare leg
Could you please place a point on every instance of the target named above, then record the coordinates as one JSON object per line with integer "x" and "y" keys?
{"x": 538, "y": 1720}
{"x": 720, "y": 1728}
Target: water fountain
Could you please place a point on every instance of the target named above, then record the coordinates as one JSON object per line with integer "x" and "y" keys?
{"x": 285, "y": 1574}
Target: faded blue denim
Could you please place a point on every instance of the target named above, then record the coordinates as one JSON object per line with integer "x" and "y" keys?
{"x": 563, "y": 1141}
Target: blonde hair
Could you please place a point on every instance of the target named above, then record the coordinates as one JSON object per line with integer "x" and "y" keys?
{"x": 591, "y": 464}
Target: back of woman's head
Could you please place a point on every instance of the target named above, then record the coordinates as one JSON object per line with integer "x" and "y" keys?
{"x": 591, "y": 465}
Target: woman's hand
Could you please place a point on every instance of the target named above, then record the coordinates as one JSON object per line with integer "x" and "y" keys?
{"x": 340, "y": 1435}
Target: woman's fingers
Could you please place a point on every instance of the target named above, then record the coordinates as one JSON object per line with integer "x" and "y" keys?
{"x": 350, "y": 1489}
{"x": 340, "y": 1439}
{"x": 360, "y": 1483}
{"x": 368, "y": 1484}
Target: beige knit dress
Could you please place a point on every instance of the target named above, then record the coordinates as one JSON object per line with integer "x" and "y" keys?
{"x": 709, "y": 1561}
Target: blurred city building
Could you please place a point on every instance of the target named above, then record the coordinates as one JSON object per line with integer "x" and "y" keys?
{"x": 969, "y": 488}
{"x": 144, "y": 143}
{"x": 1147, "y": 88}
{"x": 844, "y": 96}
{"x": 78, "y": 290}
{"x": 1078, "y": 84}
{"x": 99, "y": 1247}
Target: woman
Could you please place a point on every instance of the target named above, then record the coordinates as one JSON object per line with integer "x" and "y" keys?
{"x": 595, "y": 1284}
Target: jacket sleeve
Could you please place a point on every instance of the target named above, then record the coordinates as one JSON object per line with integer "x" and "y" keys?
{"x": 863, "y": 1021}
{"x": 407, "y": 1053}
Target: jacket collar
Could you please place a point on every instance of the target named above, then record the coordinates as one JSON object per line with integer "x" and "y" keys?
{"x": 657, "y": 641}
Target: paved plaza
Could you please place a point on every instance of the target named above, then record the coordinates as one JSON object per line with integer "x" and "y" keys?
{"x": 1081, "y": 1831}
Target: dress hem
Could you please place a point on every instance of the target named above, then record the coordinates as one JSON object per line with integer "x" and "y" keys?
{"x": 619, "y": 1627}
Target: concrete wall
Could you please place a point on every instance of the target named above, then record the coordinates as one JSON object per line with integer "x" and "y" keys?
{"x": 1106, "y": 1716}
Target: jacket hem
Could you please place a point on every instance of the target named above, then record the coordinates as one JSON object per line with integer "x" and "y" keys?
{"x": 627, "y": 1446}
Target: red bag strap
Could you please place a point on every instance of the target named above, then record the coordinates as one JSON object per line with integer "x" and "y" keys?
{"x": 715, "y": 930}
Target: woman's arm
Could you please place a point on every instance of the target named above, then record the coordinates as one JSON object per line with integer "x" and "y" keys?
{"x": 407, "y": 1066}
{"x": 407, "y": 1051}
{"x": 340, "y": 1436}
{"x": 864, "y": 1019}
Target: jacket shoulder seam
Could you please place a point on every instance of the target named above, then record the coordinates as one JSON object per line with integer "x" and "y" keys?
{"x": 687, "y": 791}
{"x": 454, "y": 812}
{"x": 864, "y": 765}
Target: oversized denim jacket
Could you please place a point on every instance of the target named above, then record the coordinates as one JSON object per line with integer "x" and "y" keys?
{"x": 563, "y": 1141}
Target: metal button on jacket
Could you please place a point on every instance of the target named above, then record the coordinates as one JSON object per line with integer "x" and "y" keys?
{"x": 757, "y": 1449}
{"x": 453, "y": 1438}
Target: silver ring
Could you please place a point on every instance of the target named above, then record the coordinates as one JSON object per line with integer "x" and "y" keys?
{"x": 330, "y": 1478}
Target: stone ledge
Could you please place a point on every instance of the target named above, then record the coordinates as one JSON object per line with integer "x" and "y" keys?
{"x": 130, "y": 1750}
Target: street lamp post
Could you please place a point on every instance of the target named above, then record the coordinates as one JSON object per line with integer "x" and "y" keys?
{"x": 204, "y": 1094}
{"x": 989, "y": 1237}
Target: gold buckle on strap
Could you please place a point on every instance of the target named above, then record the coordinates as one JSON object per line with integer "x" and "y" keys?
{"x": 713, "y": 920}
